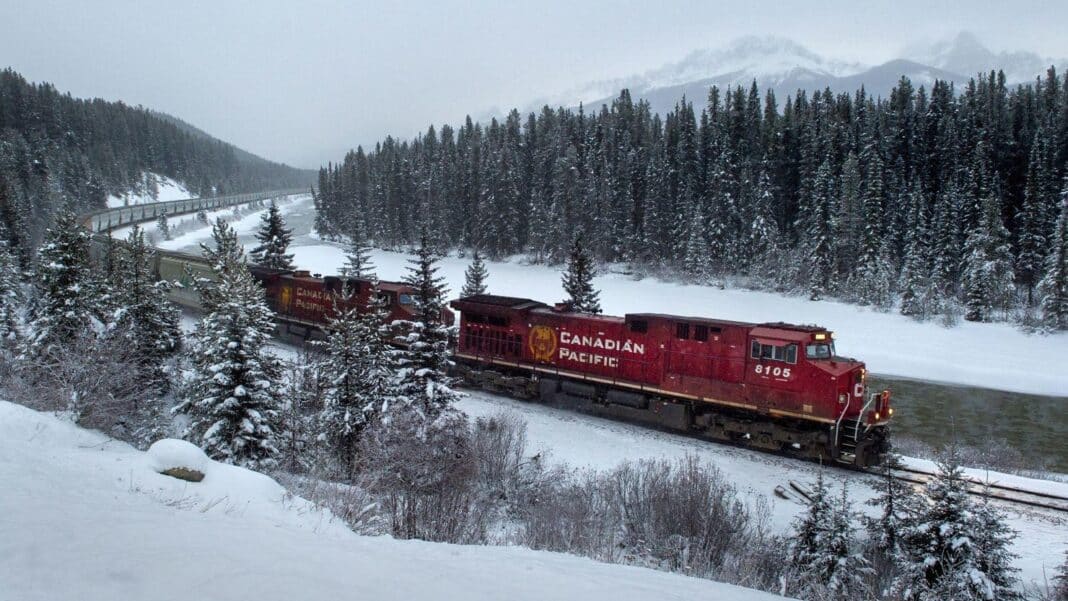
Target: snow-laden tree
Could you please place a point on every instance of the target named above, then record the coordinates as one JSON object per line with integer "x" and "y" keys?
{"x": 233, "y": 396}
{"x": 225, "y": 254}
{"x": 820, "y": 227}
{"x": 475, "y": 276}
{"x": 422, "y": 384}
{"x": 1059, "y": 590}
{"x": 64, "y": 306}
{"x": 987, "y": 281}
{"x": 1053, "y": 290}
{"x": 144, "y": 316}
{"x": 163, "y": 227}
{"x": 10, "y": 296}
{"x": 357, "y": 376}
{"x": 578, "y": 279}
{"x": 358, "y": 255}
{"x": 823, "y": 554}
{"x": 955, "y": 549}
{"x": 915, "y": 279}
{"x": 898, "y": 506}
{"x": 274, "y": 238}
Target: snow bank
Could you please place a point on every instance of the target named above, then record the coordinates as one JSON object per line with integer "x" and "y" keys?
{"x": 87, "y": 518}
{"x": 245, "y": 225}
{"x": 168, "y": 189}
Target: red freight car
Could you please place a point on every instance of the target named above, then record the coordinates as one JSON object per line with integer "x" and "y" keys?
{"x": 773, "y": 386}
{"x": 304, "y": 303}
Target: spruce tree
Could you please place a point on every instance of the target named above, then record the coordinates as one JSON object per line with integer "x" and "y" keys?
{"x": 914, "y": 275}
{"x": 475, "y": 276}
{"x": 1053, "y": 290}
{"x": 145, "y": 317}
{"x": 64, "y": 305}
{"x": 823, "y": 553}
{"x": 10, "y": 296}
{"x": 233, "y": 397}
{"x": 163, "y": 226}
{"x": 1060, "y": 582}
{"x": 356, "y": 372}
{"x": 988, "y": 277}
{"x": 422, "y": 384}
{"x": 274, "y": 240}
{"x": 898, "y": 505}
{"x": 578, "y": 279}
{"x": 821, "y": 223}
{"x": 953, "y": 549}
{"x": 358, "y": 263}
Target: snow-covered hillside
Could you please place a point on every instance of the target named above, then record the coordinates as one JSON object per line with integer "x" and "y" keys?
{"x": 164, "y": 188}
{"x": 85, "y": 517}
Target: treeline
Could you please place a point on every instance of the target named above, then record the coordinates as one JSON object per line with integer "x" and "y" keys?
{"x": 62, "y": 153}
{"x": 939, "y": 200}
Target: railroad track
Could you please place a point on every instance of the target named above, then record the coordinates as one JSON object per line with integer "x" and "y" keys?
{"x": 993, "y": 490}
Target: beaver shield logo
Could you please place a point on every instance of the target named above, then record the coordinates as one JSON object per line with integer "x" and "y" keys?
{"x": 542, "y": 343}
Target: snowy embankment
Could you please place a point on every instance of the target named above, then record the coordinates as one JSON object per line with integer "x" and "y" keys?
{"x": 85, "y": 517}
{"x": 583, "y": 441}
{"x": 244, "y": 225}
{"x": 166, "y": 189}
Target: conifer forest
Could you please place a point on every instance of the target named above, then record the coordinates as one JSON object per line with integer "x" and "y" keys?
{"x": 939, "y": 201}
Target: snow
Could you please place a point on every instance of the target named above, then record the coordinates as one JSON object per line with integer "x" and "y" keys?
{"x": 987, "y": 355}
{"x": 86, "y": 517}
{"x": 244, "y": 225}
{"x": 584, "y": 441}
{"x": 171, "y": 453}
{"x": 169, "y": 189}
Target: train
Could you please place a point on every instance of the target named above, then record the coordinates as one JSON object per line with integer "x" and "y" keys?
{"x": 771, "y": 386}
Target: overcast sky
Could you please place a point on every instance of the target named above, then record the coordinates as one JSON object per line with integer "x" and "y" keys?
{"x": 302, "y": 81}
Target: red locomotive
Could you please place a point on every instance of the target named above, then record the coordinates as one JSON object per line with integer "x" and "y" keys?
{"x": 772, "y": 386}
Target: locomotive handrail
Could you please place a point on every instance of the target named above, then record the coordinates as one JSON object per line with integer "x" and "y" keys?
{"x": 106, "y": 219}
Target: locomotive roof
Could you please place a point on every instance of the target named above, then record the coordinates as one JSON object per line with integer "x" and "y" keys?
{"x": 689, "y": 318}
{"x": 506, "y": 302}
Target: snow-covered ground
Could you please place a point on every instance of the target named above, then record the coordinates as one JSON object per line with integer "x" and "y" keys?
{"x": 995, "y": 356}
{"x": 167, "y": 189}
{"x": 584, "y": 441}
{"x": 85, "y": 517}
{"x": 246, "y": 224}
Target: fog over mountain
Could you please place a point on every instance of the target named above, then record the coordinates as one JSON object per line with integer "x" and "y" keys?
{"x": 783, "y": 65}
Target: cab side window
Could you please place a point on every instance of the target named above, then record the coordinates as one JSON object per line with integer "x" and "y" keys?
{"x": 786, "y": 353}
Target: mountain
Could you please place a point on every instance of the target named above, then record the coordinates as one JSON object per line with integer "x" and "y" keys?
{"x": 785, "y": 66}
{"x": 967, "y": 55}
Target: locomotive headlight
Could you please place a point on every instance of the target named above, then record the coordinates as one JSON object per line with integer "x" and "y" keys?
{"x": 877, "y": 416}
{"x": 821, "y": 336}
{"x": 889, "y": 412}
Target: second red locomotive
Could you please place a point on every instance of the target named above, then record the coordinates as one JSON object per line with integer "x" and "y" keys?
{"x": 773, "y": 386}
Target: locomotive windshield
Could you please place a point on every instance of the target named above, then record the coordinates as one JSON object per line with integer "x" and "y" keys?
{"x": 819, "y": 351}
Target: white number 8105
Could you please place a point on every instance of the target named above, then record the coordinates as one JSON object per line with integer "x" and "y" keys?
{"x": 774, "y": 372}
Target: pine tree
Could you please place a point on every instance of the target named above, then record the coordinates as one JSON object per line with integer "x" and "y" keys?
{"x": 10, "y": 296}
{"x": 578, "y": 279}
{"x": 988, "y": 277}
{"x": 145, "y": 317}
{"x": 233, "y": 397}
{"x": 954, "y": 550}
{"x": 823, "y": 553}
{"x": 274, "y": 240}
{"x": 914, "y": 275}
{"x": 64, "y": 305}
{"x": 357, "y": 376}
{"x": 1060, "y": 582}
{"x": 1053, "y": 290}
{"x": 821, "y": 223}
{"x": 225, "y": 255}
{"x": 358, "y": 264}
{"x": 899, "y": 506}
{"x": 163, "y": 226}
{"x": 475, "y": 276}
{"x": 422, "y": 384}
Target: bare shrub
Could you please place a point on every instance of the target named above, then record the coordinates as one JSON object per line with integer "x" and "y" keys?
{"x": 424, "y": 477}
{"x": 497, "y": 444}
{"x": 576, "y": 516}
{"x": 98, "y": 379}
{"x": 351, "y": 503}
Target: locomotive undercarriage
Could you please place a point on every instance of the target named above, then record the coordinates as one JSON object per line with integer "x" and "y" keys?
{"x": 806, "y": 440}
